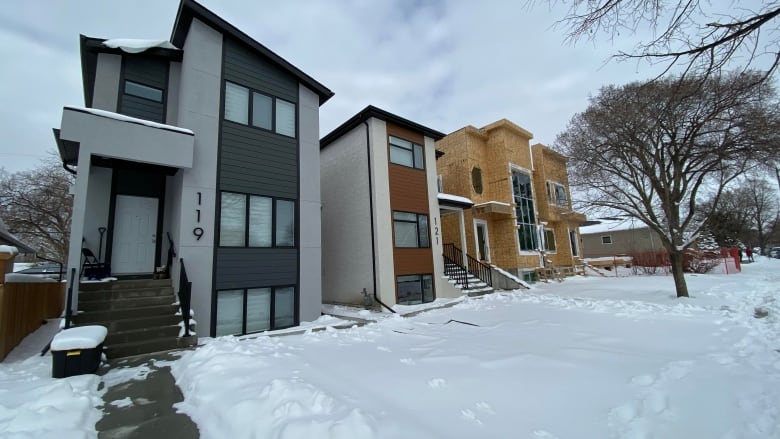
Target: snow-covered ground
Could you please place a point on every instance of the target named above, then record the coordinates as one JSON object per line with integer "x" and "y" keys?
{"x": 614, "y": 357}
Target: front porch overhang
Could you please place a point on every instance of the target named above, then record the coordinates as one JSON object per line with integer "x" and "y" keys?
{"x": 91, "y": 132}
{"x": 454, "y": 201}
{"x": 494, "y": 207}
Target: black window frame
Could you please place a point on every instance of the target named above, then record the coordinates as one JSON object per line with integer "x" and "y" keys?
{"x": 392, "y": 145}
{"x": 272, "y": 305}
{"x": 247, "y": 207}
{"x": 417, "y": 225}
{"x": 250, "y": 110}
{"x": 140, "y": 84}
{"x": 420, "y": 276}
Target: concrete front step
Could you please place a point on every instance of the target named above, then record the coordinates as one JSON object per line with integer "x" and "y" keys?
{"x": 129, "y": 303}
{"x": 122, "y": 293}
{"x": 142, "y": 334}
{"x": 127, "y": 313}
{"x": 148, "y": 346}
{"x": 124, "y": 284}
{"x": 131, "y": 323}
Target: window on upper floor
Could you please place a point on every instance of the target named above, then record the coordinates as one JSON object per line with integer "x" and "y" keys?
{"x": 143, "y": 91}
{"x": 476, "y": 179}
{"x": 256, "y": 221}
{"x": 405, "y": 153}
{"x": 606, "y": 239}
{"x": 250, "y": 107}
{"x": 525, "y": 214}
{"x": 556, "y": 193}
{"x": 411, "y": 230}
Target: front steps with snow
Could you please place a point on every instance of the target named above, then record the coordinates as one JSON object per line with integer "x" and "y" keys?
{"x": 476, "y": 286}
{"x": 140, "y": 316}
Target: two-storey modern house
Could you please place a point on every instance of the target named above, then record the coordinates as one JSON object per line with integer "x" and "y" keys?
{"x": 522, "y": 220}
{"x": 381, "y": 227}
{"x": 206, "y": 144}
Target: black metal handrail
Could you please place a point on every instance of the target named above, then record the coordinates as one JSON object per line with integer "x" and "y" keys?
{"x": 480, "y": 270}
{"x": 69, "y": 301}
{"x": 453, "y": 265}
{"x": 59, "y": 274}
{"x": 185, "y": 297}
{"x": 171, "y": 254}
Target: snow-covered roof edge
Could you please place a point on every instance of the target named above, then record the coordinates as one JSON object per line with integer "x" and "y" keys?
{"x": 455, "y": 199}
{"x": 606, "y": 226}
{"x": 130, "y": 45}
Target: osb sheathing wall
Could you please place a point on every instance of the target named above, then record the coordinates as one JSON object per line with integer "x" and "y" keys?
{"x": 492, "y": 149}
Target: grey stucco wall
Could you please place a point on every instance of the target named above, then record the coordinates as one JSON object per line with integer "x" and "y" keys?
{"x": 106, "y": 87}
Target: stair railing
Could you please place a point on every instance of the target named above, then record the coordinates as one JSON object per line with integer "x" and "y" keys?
{"x": 68, "y": 309}
{"x": 480, "y": 270}
{"x": 185, "y": 297}
{"x": 453, "y": 265}
{"x": 171, "y": 254}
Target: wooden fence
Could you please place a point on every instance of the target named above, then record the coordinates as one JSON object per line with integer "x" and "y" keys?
{"x": 23, "y": 306}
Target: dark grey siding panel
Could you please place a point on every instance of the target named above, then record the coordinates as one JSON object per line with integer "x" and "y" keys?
{"x": 147, "y": 71}
{"x": 258, "y": 162}
{"x": 255, "y": 267}
{"x": 142, "y": 108}
{"x": 248, "y": 68}
{"x": 151, "y": 72}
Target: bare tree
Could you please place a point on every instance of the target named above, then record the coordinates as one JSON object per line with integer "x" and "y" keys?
{"x": 694, "y": 34}
{"x": 653, "y": 150}
{"x": 36, "y": 206}
{"x": 763, "y": 209}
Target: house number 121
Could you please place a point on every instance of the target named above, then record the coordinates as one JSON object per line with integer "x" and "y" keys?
{"x": 198, "y": 231}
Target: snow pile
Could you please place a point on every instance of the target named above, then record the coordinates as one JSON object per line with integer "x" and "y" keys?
{"x": 130, "y": 45}
{"x": 22, "y": 278}
{"x": 81, "y": 337}
{"x": 9, "y": 249}
{"x": 33, "y": 405}
{"x": 586, "y": 358}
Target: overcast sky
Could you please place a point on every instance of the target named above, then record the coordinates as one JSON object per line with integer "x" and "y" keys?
{"x": 444, "y": 64}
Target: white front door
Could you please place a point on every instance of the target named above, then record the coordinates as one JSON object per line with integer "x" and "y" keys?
{"x": 135, "y": 235}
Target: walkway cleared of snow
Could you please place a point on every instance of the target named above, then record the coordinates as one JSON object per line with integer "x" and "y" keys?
{"x": 586, "y": 358}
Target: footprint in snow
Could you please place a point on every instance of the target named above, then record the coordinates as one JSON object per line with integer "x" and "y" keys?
{"x": 655, "y": 402}
{"x": 383, "y": 349}
{"x": 407, "y": 361}
{"x": 542, "y": 434}
{"x": 623, "y": 413}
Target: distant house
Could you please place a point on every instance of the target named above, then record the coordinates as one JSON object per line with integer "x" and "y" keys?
{"x": 203, "y": 146}
{"x": 380, "y": 211}
{"x": 522, "y": 220}
{"x": 616, "y": 236}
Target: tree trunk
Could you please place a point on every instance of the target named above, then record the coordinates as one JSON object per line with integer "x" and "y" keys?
{"x": 676, "y": 259}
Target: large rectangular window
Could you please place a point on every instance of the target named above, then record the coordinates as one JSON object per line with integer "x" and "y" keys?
{"x": 524, "y": 211}
{"x": 251, "y": 107}
{"x": 243, "y": 311}
{"x": 403, "y": 152}
{"x": 415, "y": 289}
{"x": 411, "y": 230}
{"x": 255, "y": 221}
{"x": 556, "y": 193}
{"x": 143, "y": 91}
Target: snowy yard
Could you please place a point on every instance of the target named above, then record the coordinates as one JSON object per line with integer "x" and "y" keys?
{"x": 587, "y": 358}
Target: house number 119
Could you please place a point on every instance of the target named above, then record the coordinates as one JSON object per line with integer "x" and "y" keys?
{"x": 198, "y": 231}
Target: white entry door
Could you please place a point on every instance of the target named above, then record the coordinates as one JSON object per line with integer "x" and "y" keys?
{"x": 483, "y": 243}
{"x": 135, "y": 235}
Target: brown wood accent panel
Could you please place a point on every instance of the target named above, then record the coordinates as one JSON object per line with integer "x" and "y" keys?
{"x": 22, "y": 308}
{"x": 412, "y": 261}
{"x": 408, "y": 189}
{"x": 405, "y": 133}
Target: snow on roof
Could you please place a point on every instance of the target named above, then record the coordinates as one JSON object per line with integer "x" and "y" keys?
{"x": 22, "y": 278}
{"x": 81, "y": 337}
{"x": 613, "y": 225}
{"x": 123, "y": 118}
{"x": 455, "y": 198}
{"x": 130, "y": 45}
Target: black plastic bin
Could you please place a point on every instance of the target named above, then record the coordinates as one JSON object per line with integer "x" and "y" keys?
{"x": 75, "y": 361}
{"x": 77, "y": 351}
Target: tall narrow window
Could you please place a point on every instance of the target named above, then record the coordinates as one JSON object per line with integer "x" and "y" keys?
{"x": 285, "y": 118}
{"x": 284, "y": 307}
{"x": 260, "y": 221}
{"x": 285, "y": 223}
{"x": 230, "y": 312}
{"x": 575, "y": 249}
{"x": 549, "y": 240}
{"x": 524, "y": 211}
{"x": 236, "y": 103}
{"x": 262, "y": 110}
{"x": 258, "y": 309}
{"x": 232, "y": 226}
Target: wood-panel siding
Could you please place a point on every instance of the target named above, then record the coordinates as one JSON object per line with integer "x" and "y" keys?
{"x": 256, "y": 267}
{"x": 23, "y": 306}
{"x": 409, "y": 193}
